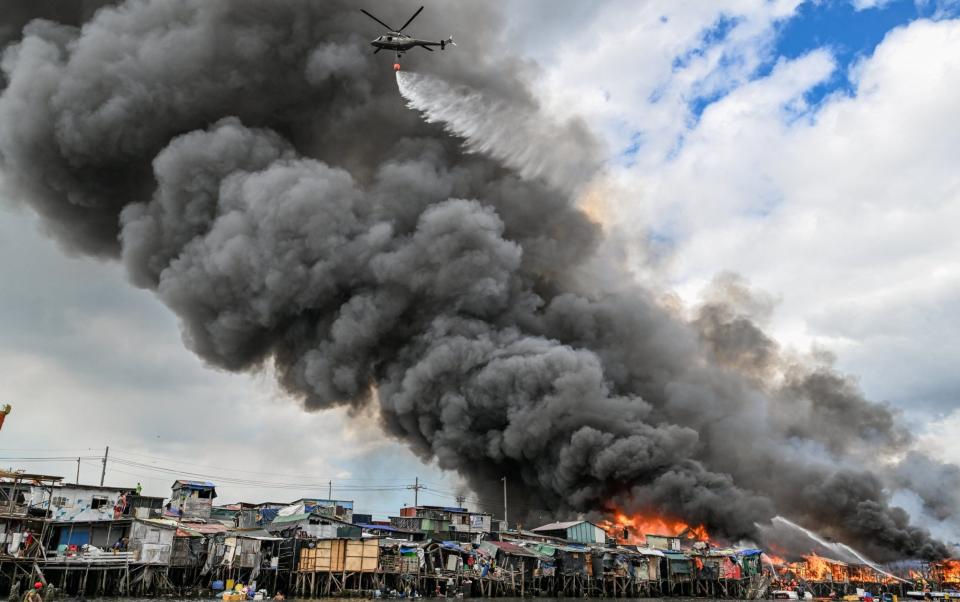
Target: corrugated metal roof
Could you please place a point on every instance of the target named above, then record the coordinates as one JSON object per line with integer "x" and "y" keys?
{"x": 159, "y": 522}
{"x": 23, "y": 476}
{"x": 198, "y": 484}
{"x": 511, "y": 548}
{"x": 385, "y": 528}
{"x": 258, "y": 534}
{"x": 559, "y": 526}
{"x": 93, "y": 487}
{"x": 208, "y": 527}
{"x": 314, "y": 501}
{"x": 297, "y": 517}
{"x": 291, "y": 518}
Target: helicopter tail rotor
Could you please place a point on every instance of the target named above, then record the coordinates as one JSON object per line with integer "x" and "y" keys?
{"x": 448, "y": 42}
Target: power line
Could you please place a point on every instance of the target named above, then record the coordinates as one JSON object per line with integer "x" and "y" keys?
{"x": 45, "y": 449}
{"x": 50, "y": 459}
{"x": 271, "y": 472}
{"x": 118, "y": 463}
{"x": 232, "y": 485}
{"x": 365, "y": 485}
{"x": 115, "y": 457}
{"x": 416, "y": 490}
{"x": 252, "y": 482}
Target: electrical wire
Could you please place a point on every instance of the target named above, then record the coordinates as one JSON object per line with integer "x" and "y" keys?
{"x": 49, "y": 459}
{"x": 251, "y": 482}
{"x": 124, "y": 452}
{"x": 119, "y": 463}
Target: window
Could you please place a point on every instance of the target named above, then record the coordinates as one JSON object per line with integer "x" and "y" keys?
{"x": 98, "y": 502}
{"x": 59, "y": 502}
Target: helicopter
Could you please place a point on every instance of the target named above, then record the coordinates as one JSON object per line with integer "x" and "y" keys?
{"x": 400, "y": 42}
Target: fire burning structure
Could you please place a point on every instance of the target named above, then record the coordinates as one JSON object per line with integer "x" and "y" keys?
{"x": 637, "y": 528}
{"x": 694, "y": 565}
{"x": 946, "y": 572}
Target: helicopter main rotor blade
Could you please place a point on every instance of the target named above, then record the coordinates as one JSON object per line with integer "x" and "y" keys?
{"x": 410, "y": 20}
{"x": 376, "y": 19}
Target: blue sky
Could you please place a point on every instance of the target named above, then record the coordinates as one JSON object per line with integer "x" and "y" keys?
{"x": 849, "y": 33}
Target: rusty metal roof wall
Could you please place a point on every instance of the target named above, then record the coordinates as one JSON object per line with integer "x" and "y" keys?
{"x": 6, "y": 474}
{"x": 193, "y": 484}
{"x": 561, "y": 526}
{"x": 95, "y": 487}
{"x": 204, "y": 528}
{"x": 511, "y": 548}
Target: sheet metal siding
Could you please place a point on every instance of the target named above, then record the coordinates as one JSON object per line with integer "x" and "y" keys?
{"x": 151, "y": 544}
{"x": 76, "y": 504}
{"x": 586, "y": 533}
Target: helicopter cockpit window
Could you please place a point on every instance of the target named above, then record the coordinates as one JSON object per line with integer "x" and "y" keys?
{"x": 389, "y": 38}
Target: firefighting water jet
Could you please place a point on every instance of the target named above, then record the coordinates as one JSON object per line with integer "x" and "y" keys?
{"x": 838, "y": 547}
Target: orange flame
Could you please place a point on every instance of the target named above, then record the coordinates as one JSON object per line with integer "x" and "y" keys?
{"x": 947, "y": 571}
{"x": 817, "y": 568}
{"x": 638, "y": 526}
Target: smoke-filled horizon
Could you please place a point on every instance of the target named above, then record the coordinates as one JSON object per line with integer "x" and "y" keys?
{"x": 256, "y": 168}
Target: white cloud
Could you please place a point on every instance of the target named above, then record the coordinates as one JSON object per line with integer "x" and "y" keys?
{"x": 941, "y": 438}
{"x": 868, "y": 4}
{"x": 847, "y": 213}
{"x": 635, "y": 66}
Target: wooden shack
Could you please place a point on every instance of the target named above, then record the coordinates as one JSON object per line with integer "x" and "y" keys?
{"x": 653, "y": 558}
{"x": 676, "y": 566}
{"x": 151, "y": 541}
{"x": 340, "y": 555}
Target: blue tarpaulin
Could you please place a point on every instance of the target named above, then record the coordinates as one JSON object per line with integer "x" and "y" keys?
{"x": 76, "y": 538}
{"x": 269, "y": 515}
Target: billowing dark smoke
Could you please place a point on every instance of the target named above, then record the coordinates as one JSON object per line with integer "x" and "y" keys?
{"x": 253, "y": 164}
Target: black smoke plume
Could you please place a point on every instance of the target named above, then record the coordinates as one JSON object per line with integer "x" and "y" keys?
{"x": 253, "y": 164}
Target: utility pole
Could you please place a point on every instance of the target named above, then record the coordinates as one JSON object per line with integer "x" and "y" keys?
{"x": 103, "y": 474}
{"x": 329, "y": 490}
{"x": 460, "y": 500}
{"x": 78, "y": 471}
{"x": 505, "y": 520}
{"x": 416, "y": 491}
